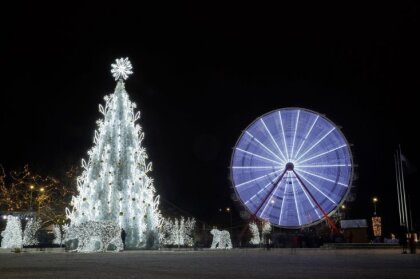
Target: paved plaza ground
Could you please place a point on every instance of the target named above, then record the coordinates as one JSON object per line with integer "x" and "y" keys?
{"x": 237, "y": 263}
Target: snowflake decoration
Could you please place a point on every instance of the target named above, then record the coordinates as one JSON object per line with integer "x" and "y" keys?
{"x": 122, "y": 68}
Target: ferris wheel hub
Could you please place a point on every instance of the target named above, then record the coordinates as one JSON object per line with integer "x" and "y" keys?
{"x": 290, "y": 166}
{"x": 282, "y": 153}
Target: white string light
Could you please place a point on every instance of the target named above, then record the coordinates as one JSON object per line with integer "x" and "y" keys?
{"x": 221, "y": 239}
{"x": 115, "y": 184}
{"x": 12, "y": 234}
{"x": 91, "y": 233}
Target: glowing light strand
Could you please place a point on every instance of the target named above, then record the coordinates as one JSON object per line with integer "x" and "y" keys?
{"x": 309, "y": 200}
{"x": 272, "y": 138}
{"x": 284, "y": 137}
{"x": 307, "y": 135}
{"x": 316, "y": 188}
{"x": 29, "y": 234}
{"x": 258, "y": 156}
{"x": 322, "y": 177}
{"x": 315, "y": 144}
{"x": 265, "y": 147}
{"x": 259, "y": 192}
{"x": 221, "y": 239}
{"x": 115, "y": 184}
{"x": 255, "y": 239}
{"x": 12, "y": 234}
{"x": 283, "y": 202}
{"x": 294, "y": 136}
{"x": 322, "y": 154}
{"x": 296, "y": 203}
{"x": 255, "y": 179}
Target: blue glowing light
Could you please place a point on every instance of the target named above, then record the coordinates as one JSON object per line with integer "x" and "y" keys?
{"x": 288, "y": 161}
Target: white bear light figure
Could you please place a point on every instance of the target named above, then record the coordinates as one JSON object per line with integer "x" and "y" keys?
{"x": 221, "y": 239}
{"x": 91, "y": 232}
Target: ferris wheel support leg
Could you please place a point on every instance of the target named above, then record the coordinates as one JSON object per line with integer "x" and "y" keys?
{"x": 271, "y": 191}
{"x": 254, "y": 216}
{"x": 330, "y": 222}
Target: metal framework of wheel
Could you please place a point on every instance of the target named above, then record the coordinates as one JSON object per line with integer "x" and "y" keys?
{"x": 292, "y": 167}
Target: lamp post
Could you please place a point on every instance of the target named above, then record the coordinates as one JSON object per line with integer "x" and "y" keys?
{"x": 230, "y": 217}
{"x": 342, "y": 210}
{"x": 375, "y": 200}
{"x": 42, "y": 189}
{"x": 31, "y": 188}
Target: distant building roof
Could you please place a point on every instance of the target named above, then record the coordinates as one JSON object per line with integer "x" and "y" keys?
{"x": 350, "y": 224}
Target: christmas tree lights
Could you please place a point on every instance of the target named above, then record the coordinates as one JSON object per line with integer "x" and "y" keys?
{"x": 58, "y": 235}
{"x": 29, "y": 234}
{"x": 255, "y": 239}
{"x": 178, "y": 231}
{"x": 91, "y": 233}
{"x": 12, "y": 234}
{"x": 115, "y": 184}
{"x": 221, "y": 239}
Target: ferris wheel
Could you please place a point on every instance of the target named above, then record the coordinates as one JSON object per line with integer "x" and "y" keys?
{"x": 292, "y": 167}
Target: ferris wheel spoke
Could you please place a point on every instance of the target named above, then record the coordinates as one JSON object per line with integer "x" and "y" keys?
{"x": 259, "y": 192}
{"x": 307, "y": 135}
{"x": 284, "y": 137}
{"x": 316, "y": 188}
{"x": 259, "y": 156}
{"x": 322, "y": 154}
{"x": 324, "y": 166}
{"x": 294, "y": 136}
{"x": 322, "y": 177}
{"x": 268, "y": 201}
{"x": 263, "y": 145}
{"x": 309, "y": 200}
{"x": 283, "y": 202}
{"x": 315, "y": 144}
{"x": 296, "y": 203}
{"x": 255, "y": 179}
{"x": 327, "y": 218}
{"x": 275, "y": 183}
{"x": 255, "y": 167}
{"x": 272, "y": 138}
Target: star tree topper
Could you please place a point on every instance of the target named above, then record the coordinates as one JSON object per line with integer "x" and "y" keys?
{"x": 121, "y": 69}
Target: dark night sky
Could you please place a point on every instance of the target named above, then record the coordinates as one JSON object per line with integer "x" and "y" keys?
{"x": 202, "y": 74}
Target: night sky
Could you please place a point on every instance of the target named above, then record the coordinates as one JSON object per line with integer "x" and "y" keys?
{"x": 202, "y": 74}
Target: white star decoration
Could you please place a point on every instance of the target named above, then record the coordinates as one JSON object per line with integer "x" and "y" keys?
{"x": 122, "y": 68}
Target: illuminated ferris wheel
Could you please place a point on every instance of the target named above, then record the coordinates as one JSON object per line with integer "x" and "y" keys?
{"x": 292, "y": 167}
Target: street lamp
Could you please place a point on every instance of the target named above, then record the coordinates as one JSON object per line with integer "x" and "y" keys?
{"x": 230, "y": 216}
{"x": 42, "y": 189}
{"x": 31, "y": 187}
{"x": 341, "y": 211}
{"x": 375, "y": 200}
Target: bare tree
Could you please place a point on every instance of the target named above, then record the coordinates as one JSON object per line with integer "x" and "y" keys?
{"x": 46, "y": 196}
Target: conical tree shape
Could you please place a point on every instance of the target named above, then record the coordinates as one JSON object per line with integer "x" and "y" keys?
{"x": 115, "y": 184}
{"x": 12, "y": 234}
{"x": 29, "y": 234}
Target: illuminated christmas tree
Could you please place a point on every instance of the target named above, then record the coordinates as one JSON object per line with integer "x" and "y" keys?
{"x": 58, "y": 235}
{"x": 115, "y": 184}
{"x": 12, "y": 234}
{"x": 255, "y": 239}
{"x": 178, "y": 232}
{"x": 266, "y": 229}
{"x": 29, "y": 234}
